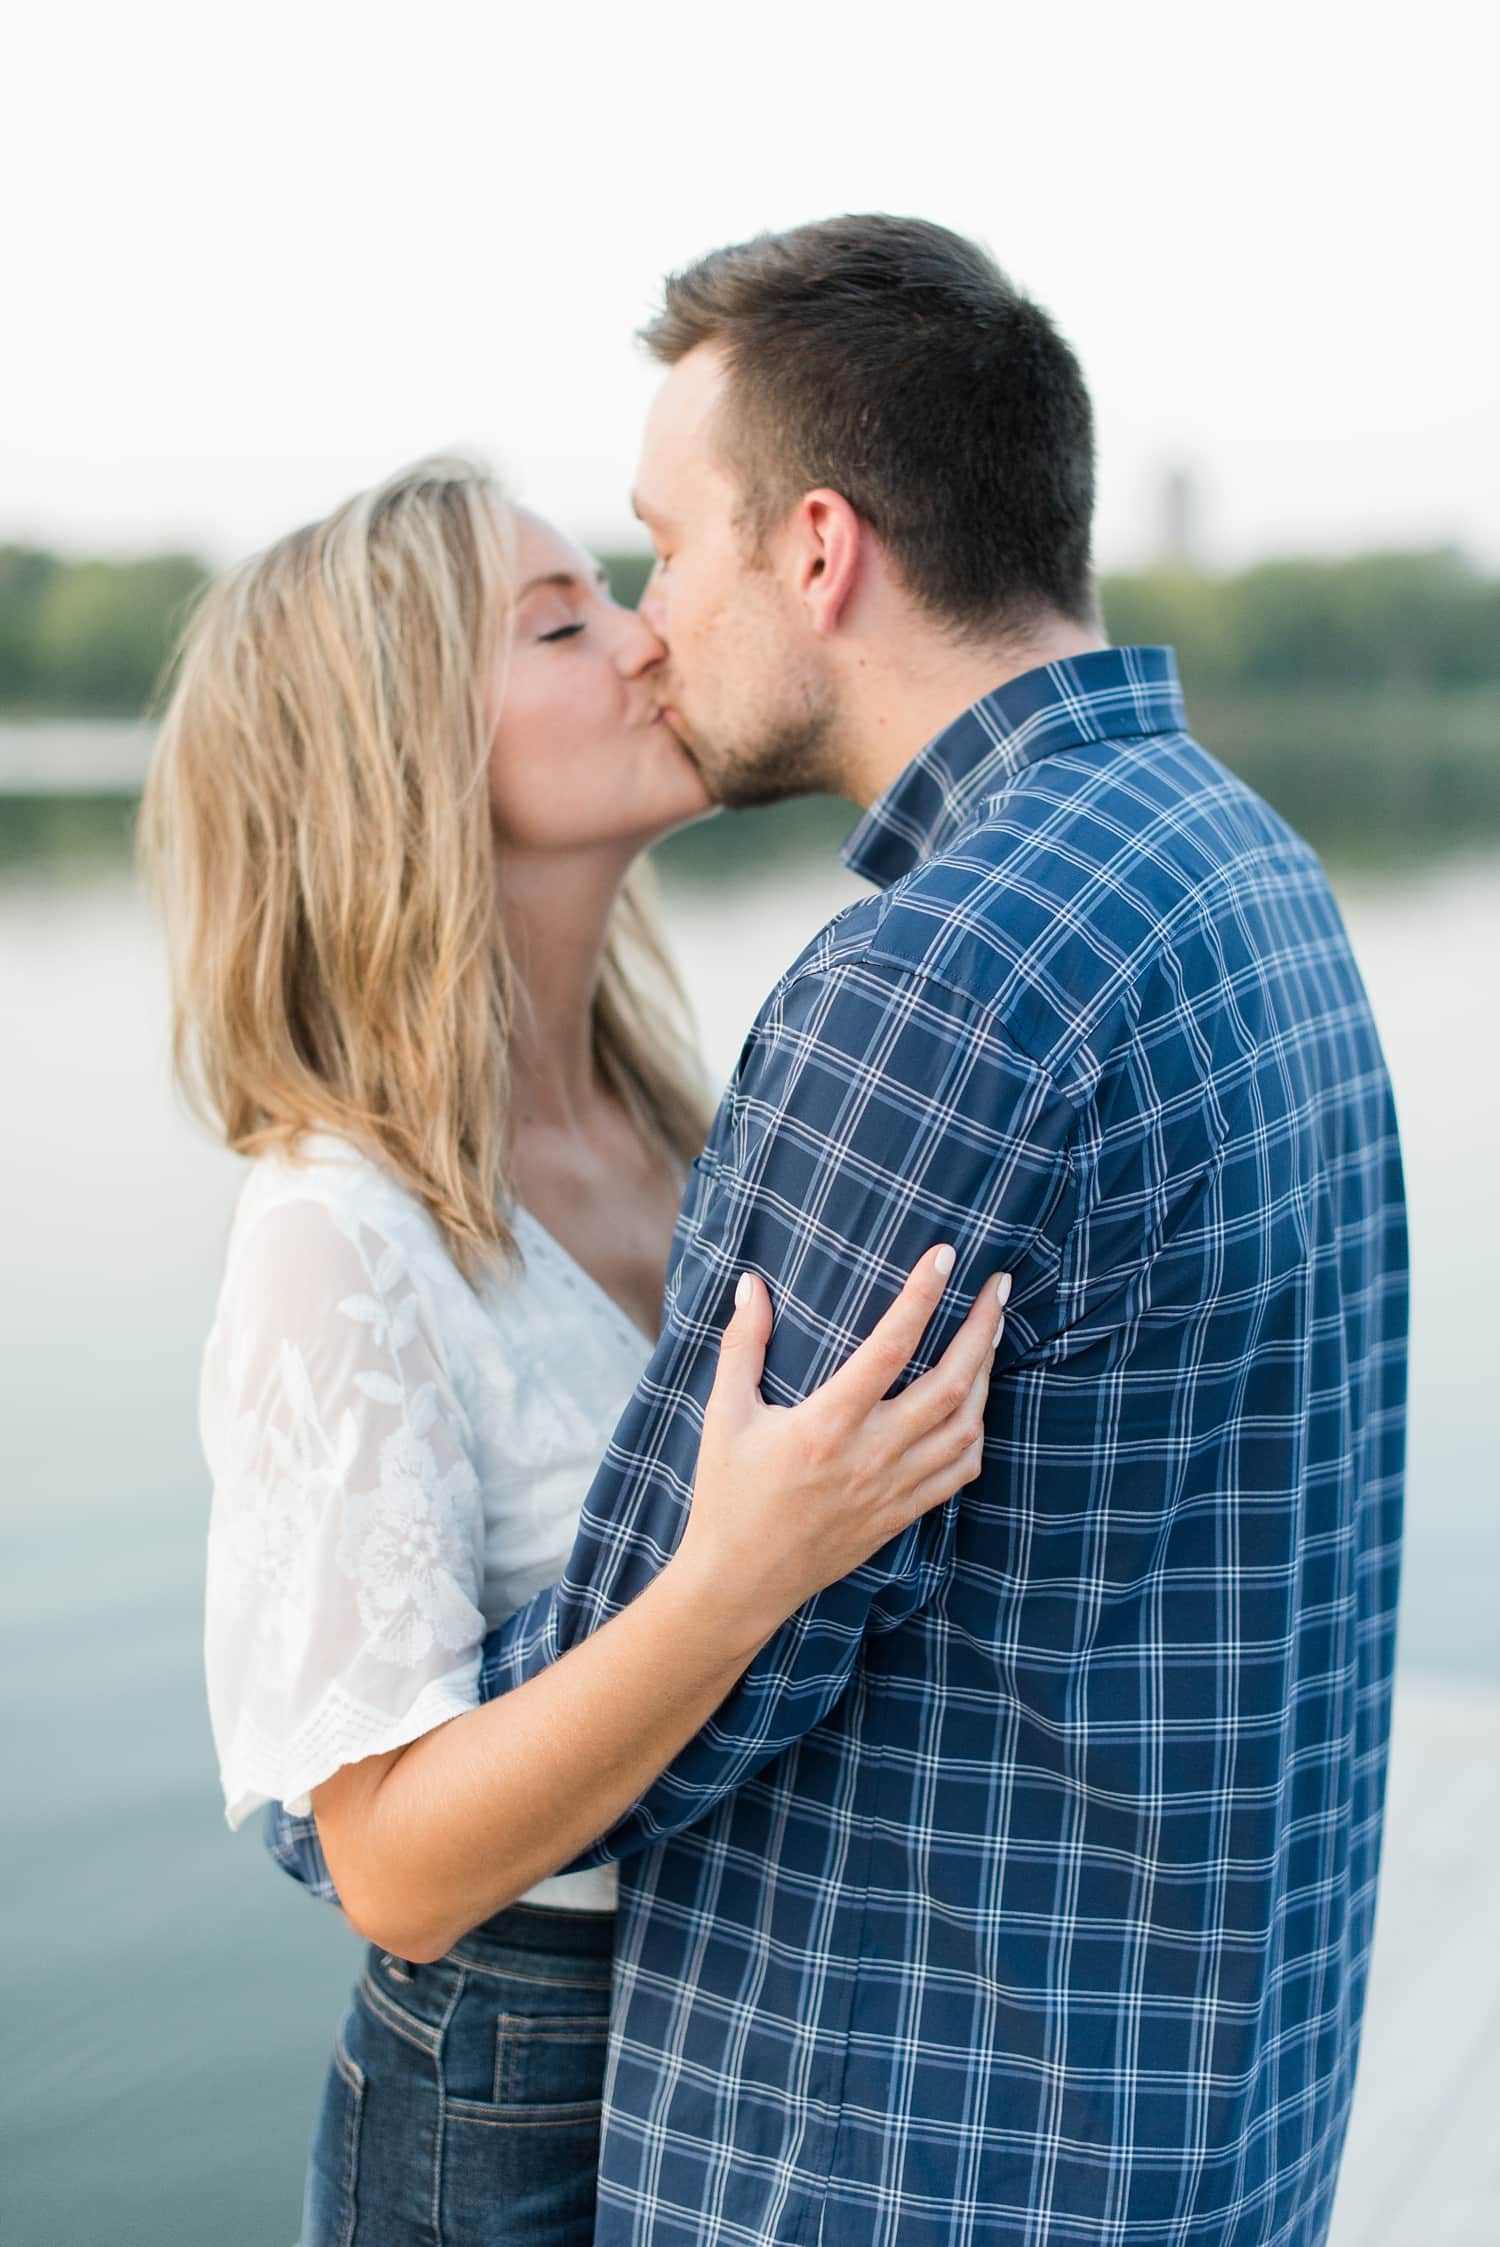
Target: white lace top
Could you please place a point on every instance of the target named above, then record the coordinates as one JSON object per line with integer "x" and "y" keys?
{"x": 398, "y": 1464}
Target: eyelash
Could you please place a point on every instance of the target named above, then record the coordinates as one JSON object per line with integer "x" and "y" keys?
{"x": 563, "y": 632}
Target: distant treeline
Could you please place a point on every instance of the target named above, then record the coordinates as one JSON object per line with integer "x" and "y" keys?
{"x": 1361, "y": 696}
{"x": 88, "y": 638}
{"x": 92, "y": 637}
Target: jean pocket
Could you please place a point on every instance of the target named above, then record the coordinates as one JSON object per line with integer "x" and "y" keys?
{"x": 520, "y": 2172}
{"x": 550, "y": 2060}
{"x": 330, "y": 2205}
{"x": 533, "y": 2149}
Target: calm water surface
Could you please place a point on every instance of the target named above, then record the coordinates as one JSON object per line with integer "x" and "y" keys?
{"x": 168, "y": 1999}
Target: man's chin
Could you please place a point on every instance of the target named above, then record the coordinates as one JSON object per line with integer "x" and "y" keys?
{"x": 741, "y": 785}
{"x": 738, "y": 790}
{"x": 744, "y": 783}
{"x": 708, "y": 769}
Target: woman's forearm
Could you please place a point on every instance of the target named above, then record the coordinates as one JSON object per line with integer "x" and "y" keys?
{"x": 426, "y": 1842}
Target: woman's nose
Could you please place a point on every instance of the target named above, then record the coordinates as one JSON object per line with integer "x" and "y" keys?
{"x": 640, "y": 645}
{"x": 649, "y": 607}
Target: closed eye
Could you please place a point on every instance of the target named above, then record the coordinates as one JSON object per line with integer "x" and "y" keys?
{"x": 563, "y": 632}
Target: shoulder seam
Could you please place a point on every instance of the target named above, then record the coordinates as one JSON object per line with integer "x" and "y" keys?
{"x": 915, "y": 971}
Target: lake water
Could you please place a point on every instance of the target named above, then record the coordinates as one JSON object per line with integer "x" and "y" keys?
{"x": 166, "y": 2000}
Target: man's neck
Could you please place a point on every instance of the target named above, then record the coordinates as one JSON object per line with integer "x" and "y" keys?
{"x": 900, "y": 699}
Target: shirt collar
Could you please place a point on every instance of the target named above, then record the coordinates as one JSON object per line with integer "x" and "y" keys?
{"x": 1112, "y": 694}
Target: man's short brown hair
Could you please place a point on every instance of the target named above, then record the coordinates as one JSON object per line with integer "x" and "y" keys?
{"x": 893, "y": 362}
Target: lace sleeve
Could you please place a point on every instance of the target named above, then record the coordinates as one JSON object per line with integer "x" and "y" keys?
{"x": 345, "y": 1546}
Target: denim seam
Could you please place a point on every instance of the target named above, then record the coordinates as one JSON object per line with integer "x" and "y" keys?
{"x": 511, "y": 1974}
{"x": 527, "y": 2118}
{"x": 440, "y": 2145}
{"x": 512, "y": 2029}
{"x": 353, "y": 2078}
{"x": 391, "y": 2016}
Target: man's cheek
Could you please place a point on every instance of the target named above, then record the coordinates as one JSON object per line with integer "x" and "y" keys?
{"x": 705, "y": 626}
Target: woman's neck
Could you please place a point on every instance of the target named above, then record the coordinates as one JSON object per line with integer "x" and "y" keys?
{"x": 556, "y": 913}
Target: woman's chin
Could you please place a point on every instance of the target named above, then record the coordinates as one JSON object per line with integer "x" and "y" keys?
{"x": 708, "y": 809}
{"x": 698, "y": 801}
{"x": 668, "y": 812}
{"x": 697, "y": 806}
{"x": 669, "y": 792}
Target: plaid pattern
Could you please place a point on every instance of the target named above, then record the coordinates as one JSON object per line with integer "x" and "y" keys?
{"x": 1022, "y": 1891}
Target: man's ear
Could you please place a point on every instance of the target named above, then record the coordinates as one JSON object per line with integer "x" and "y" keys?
{"x": 828, "y": 543}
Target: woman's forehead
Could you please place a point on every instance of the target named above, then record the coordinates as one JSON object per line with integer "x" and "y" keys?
{"x": 544, "y": 551}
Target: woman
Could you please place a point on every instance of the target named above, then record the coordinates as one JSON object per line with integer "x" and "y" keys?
{"x": 411, "y": 758}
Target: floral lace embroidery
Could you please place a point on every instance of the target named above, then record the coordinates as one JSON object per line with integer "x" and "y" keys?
{"x": 398, "y": 1461}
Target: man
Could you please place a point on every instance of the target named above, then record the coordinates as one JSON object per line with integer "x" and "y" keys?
{"x": 1022, "y": 1891}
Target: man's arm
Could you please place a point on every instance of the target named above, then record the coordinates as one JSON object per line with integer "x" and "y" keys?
{"x": 875, "y": 1112}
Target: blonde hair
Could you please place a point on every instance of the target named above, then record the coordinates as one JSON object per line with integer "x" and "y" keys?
{"x": 316, "y": 823}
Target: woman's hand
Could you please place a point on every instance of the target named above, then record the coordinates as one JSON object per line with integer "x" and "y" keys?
{"x": 787, "y": 1500}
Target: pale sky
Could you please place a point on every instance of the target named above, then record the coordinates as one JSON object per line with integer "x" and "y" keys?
{"x": 256, "y": 257}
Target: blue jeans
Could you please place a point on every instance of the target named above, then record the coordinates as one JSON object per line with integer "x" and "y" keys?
{"x": 462, "y": 2103}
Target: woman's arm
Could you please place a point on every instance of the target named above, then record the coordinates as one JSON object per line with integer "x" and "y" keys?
{"x": 427, "y": 1840}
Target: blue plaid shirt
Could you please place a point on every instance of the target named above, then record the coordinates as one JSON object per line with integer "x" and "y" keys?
{"x": 1022, "y": 1891}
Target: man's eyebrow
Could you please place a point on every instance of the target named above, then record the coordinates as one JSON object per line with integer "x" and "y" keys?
{"x": 566, "y": 581}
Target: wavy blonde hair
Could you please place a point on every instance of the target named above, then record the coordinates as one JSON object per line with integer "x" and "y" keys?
{"x": 316, "y": 824}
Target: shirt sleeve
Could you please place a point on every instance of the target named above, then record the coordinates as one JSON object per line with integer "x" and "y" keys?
{"x": 346, "y": 1538}
{"x": 875, "y": 1112}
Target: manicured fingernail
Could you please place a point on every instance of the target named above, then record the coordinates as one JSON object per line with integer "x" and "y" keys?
{"x": 944, "y": 1262}
{"x": 1002, "y": 1289}
{"x": 742, "y": 1292}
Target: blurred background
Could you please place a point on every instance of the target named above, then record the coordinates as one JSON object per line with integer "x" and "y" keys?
{"x": 258, "y": 260}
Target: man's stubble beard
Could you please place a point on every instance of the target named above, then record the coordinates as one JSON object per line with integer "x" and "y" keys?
{"x": 782, "y": 753}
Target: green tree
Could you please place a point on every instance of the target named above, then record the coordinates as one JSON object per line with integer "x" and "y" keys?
{"x": 25, "y": 577}
{"x": 104, "y": 630}
{"x": 627, "y": 575}
{"x": 1378, "y": 620}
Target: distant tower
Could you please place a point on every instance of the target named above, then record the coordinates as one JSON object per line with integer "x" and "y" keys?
{"x": 1178, "y": 546}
